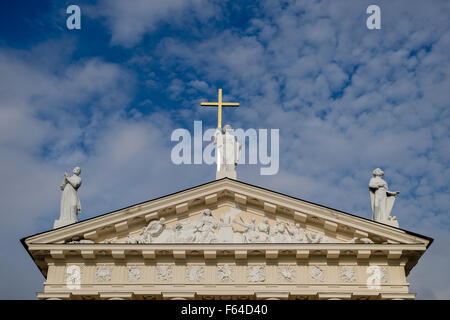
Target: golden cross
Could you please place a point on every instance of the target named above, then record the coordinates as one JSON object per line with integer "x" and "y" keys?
{"x": 219, "y": 104}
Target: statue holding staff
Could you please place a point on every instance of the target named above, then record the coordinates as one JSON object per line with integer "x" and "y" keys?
{"x": 381, "y": 199}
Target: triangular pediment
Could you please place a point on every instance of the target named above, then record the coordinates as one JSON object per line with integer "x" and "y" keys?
{"x": 227, "y": 211}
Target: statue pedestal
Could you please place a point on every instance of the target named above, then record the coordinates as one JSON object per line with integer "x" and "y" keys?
{"x": 392, "y": 222}
{"x": 226, "y": 174}
{"x": 61, "y": 223}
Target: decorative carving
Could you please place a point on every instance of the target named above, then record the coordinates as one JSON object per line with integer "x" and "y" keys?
{"x": 377, "y": 275}
{"x": 225, "y": 273}
{"x": 226, "y": 225}
{"x": 360, "y": 240}
{"x": 82, "y": 241}
{"x": 264, "y": 231}
{"x": 249, "y": 235}
{"x": 279, "y": 233}
{"x": 134, "y": 239}
{"x": 256, "y": 273}
{"x": 109, "y": 241}
{"x": 286, "y": 273}
{"x": 134, "y": 273}
{"x": 164, "y": 273}
{"x": 348, "y": 274}
{"x": 296, "y": 233}
{"x": 314, "y": 237}
{"x": 195, "y": 273}
{"x": 73, "y": 277}
{"x": 316, "y": 273}
{"x": 103, "y": 273}
{"x": 203, "y": 230}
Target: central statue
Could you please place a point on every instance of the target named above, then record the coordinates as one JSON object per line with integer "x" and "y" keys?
{"x": 227, "y": 148}
{"x": 227, "y": 153}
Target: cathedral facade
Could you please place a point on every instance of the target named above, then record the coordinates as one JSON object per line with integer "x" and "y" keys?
{"x": 226, "y": 240}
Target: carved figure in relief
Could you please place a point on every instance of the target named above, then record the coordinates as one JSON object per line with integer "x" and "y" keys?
{"x": 135, "y": 238}
{"x": 184, "y": 232}
{"x": 360, "y": 240}
{"x": 264, "y": 231}
{"x": 195, "y": 273}
{"x": 279, "y": 233}
{"x": 134, "y": 273}
{"x": 249, "y": 235}
{"x": 73, "y": 277}
{"x": 225, "y": 273}
{"x": 204, "y": 227}
{"x": 226, "y": 233}
{"x": 153, "y": 230}
{"x": 296, "y": 233}
{"x": 164, "y": 273}
{"x": 286, "y": 273}
{"x": 82, "y": 241}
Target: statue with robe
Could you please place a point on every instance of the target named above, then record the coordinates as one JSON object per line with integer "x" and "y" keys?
{"x": 70, "y": 202}
{"x": 204, "y": 227}
{"x": 381, "y": 199}
{"x": 227, "y": 152}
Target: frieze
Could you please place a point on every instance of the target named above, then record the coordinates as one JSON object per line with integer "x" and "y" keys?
{"x": 232, "y": 227}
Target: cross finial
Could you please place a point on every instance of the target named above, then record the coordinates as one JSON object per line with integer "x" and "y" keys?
{"x": 219, "y": 104}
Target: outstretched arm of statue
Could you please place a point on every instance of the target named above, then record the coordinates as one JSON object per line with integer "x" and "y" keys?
{"x": 392, "y": 193}
{"x": 64, "y": 181}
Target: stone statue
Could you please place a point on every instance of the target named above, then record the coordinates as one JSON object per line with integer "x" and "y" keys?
{"x": 381, "y": 199}
{"x": 70, "y": 202}
{"x": 227, "y": 152}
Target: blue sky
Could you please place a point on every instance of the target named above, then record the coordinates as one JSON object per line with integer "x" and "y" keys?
{"x": 107, "y": 97}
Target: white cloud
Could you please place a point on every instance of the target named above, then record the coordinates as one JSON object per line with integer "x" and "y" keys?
{"x": 129, "y": 22}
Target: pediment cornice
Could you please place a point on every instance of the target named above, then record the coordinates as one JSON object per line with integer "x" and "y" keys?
{"x": 271, "y": 203}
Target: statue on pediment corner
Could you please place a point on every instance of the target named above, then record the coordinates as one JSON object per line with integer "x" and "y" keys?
{"x": 70, "y": 202}
{"x": 381, "y": 199}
